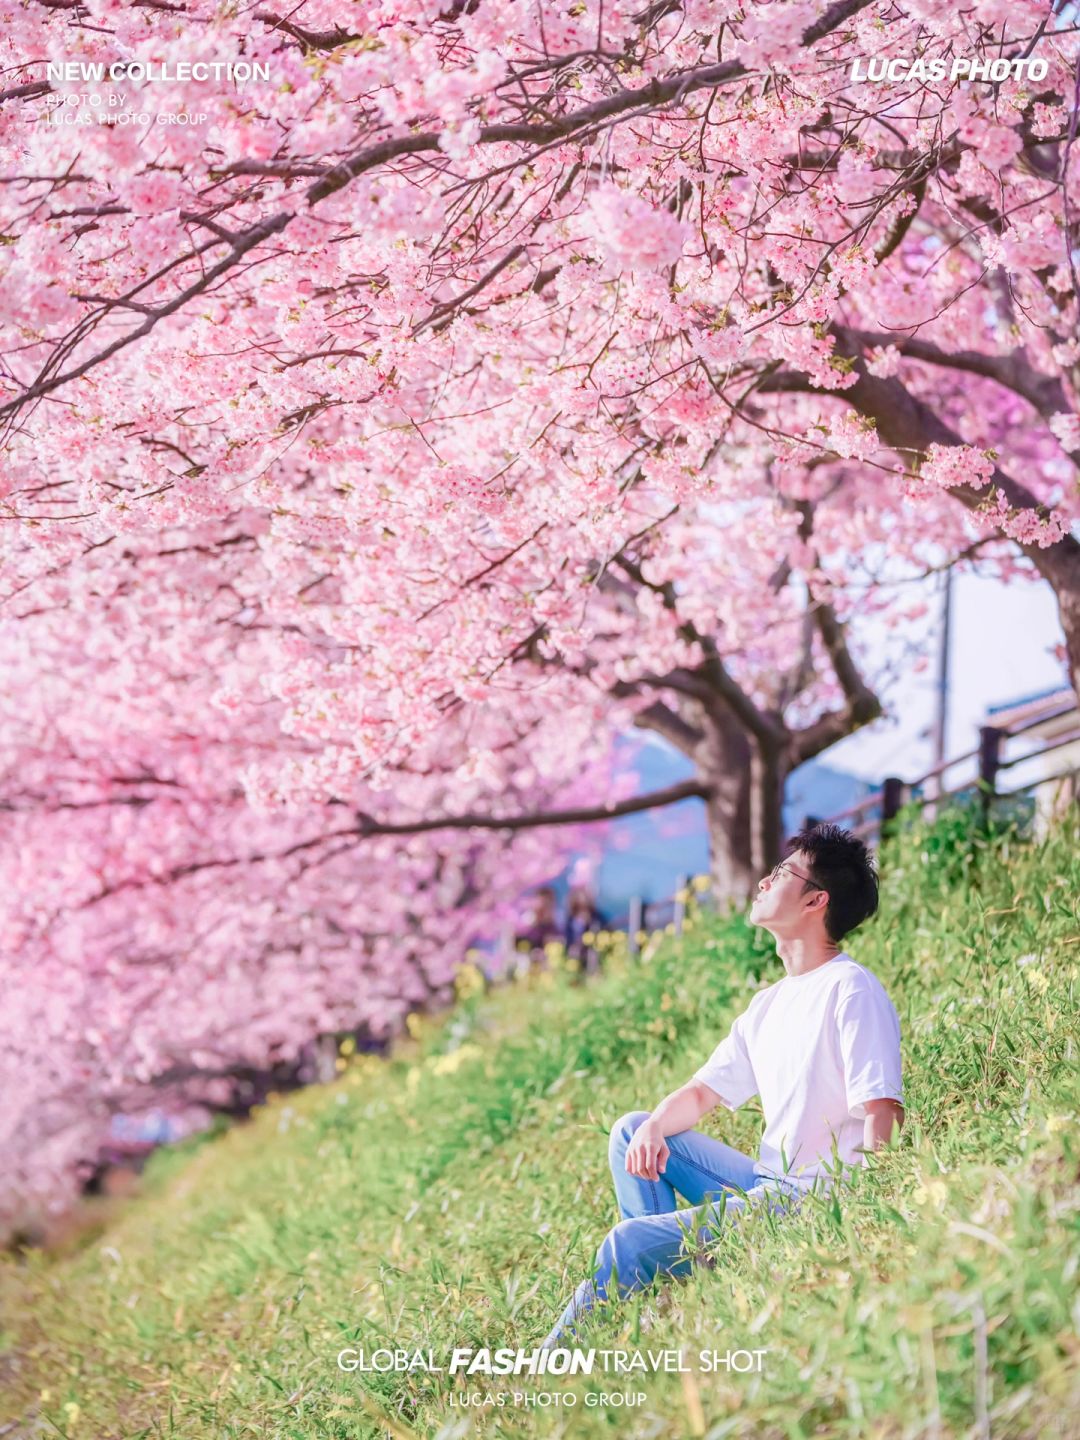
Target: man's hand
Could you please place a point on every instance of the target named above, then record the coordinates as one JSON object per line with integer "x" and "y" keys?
{"x": 648, "y": 1152}
{"x": 878, "y": 1128}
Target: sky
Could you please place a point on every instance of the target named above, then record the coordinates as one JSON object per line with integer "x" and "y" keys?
{"x": 1002, "y": 649}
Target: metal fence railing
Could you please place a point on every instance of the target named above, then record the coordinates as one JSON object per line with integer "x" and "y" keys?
{"x": 1049, "y": 726}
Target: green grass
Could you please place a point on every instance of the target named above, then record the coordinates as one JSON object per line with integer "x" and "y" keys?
{"x": 454, "y": 1194}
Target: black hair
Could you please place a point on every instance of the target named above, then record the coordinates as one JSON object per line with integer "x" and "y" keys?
{"x": 840, "y": 864}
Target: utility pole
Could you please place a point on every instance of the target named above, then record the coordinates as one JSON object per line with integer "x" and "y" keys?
{"x": 941, "y": 716}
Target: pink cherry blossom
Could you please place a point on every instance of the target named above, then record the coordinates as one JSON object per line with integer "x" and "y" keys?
{"x": 948, "y": 465}
{"x": 633, "y": 234}
{"x": 487, "y": 382}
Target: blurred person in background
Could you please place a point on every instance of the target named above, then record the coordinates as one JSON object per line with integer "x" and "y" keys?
{"x": 539, "y": 927}
{"x": 582, "y": 919}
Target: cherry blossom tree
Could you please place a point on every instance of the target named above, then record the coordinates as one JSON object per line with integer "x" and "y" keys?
{"x": 485, "y": 379}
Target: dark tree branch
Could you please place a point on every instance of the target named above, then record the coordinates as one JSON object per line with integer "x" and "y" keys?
{"x": 861, "y": 699}
{"x": 667, "y": 722}
{"x": 718, "y": 679}
{"x": 1014, "y": 371}
{"x": 30, "y": 91}
{"x": 671, "y": 795}
{"x": 310, "y": 39}
{"x": 908, "y": 425}
{"x": 369, "y": 826}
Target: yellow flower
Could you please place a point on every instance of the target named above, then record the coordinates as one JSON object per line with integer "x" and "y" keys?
{"x": 1038, "y": 980}
{"x": 700, "y": 882}
{"x": 414, "y": 1024}
{"x": 1056, "y": 1123}
{"x": 934, "y": 1192}
{"x": 682, "y": 896}
{"x": 71, "y": 1410}
{"x": 348, "y": 1045}
{"x": 447, "y": 1064}
{"x": 468, "y": 981}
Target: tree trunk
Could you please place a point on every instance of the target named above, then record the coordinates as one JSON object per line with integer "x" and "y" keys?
{"x": 1061, "y": 568}
{"x": 744, "y": 811}
{"x": 724, "y": 759}
{"x": 768, "y": 771}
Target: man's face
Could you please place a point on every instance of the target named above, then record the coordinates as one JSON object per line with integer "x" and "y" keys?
{"x": 784, "y": 903}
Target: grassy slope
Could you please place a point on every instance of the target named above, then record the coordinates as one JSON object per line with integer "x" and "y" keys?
{"x": 454, "y": 1195}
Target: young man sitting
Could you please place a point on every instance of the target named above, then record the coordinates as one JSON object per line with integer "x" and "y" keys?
{"x": 821, "y": 1047}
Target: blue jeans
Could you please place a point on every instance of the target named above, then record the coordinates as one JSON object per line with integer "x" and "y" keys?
{"x": 654, "y": 1236}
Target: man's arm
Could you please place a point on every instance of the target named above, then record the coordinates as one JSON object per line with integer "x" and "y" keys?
{"x": 881, "y": 1116}
{"x": 647, "y": 1153}
{"x": 868, "y": 1032}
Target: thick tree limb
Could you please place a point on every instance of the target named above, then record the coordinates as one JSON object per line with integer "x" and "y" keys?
{"x": 1014, "y": 371}
{"x": 368, "y": 826}
{"x": 30, "y": 91}
{"x": 829, "y": 728}
{"x": 863, "y": 704}
{"x": 712, "y": 670}
{"x": 673, "y": 727}
{"x": 908, "y": 425}
{"x": 671, "y": 795}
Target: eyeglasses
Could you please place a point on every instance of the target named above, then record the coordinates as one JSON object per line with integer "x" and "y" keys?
{"x": 783, "y": 865}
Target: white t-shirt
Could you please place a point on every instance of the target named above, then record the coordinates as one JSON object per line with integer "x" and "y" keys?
{"x": 815, "y": 1048}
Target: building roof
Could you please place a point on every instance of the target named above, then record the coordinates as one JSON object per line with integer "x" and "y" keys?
{"x": 1031, "y": 711}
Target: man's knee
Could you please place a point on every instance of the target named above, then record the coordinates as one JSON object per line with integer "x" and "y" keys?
{"x": 618, "y": 1253}
{"x": 632, "y": 1254}
{"x": 622, "y": 1132}
{"x": 622, "y": 1238}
